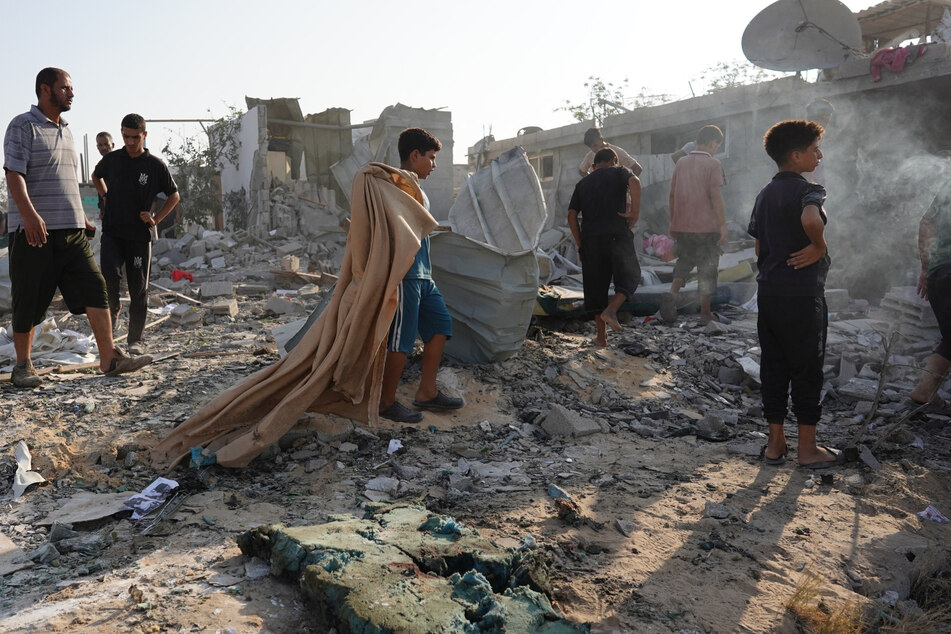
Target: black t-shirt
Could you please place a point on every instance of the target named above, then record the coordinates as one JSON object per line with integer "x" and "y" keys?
{"x": 132, "y": 184}
{"x": 777, "y": 224}
{"x": 599, "y": 197}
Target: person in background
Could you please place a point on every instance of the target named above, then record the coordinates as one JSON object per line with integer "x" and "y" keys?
{"x": 934, "y": 285}
{"x": 104, "y": 143}
{"x": 595, "y": 142}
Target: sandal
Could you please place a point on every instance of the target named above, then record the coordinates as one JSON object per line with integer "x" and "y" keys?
{"x": 440, "y": 401}
{"x": 825, "y": 464}
{"x": 779, "y": 460}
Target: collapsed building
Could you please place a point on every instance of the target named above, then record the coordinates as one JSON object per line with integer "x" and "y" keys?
{"x": 885, "y": 152}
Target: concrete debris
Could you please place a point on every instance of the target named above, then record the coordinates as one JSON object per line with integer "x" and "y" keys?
{"x": 282, "y": 305}
{"x": 216, "y": 289}
{"x": 402, "y": 569}
{"x": 224, "y": 306}
{"x": 560, "y": 421}
{"x": 185, "y": 315}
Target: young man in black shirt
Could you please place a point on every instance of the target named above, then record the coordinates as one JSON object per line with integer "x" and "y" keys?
{"x": 128, "y": 180}
{"x": 788, "y": 222}
{"x": 604, "y": 238}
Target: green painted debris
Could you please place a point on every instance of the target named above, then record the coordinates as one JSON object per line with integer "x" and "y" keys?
{"x": 402, "y": 569}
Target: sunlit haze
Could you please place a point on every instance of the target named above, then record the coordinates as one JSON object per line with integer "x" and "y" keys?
{"x": 497, "y": 66}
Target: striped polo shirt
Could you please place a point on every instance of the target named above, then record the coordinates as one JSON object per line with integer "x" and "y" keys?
{"x": 44, "y": 153}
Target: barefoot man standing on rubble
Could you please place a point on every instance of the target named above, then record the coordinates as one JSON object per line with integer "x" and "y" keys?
{"x": 48, "y": 246}
{"x": 604, "y": 238}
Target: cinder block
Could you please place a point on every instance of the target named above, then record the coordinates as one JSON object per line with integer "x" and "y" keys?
{"x": 217, "y": 289}
{"x": 224, "y": 306}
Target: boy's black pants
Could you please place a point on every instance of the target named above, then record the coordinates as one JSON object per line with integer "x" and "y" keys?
{"x": 115, "y": 255}
{"x": 792, "y": 336}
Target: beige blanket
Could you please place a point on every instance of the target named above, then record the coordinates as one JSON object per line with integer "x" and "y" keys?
{"x": 337, "y": 367}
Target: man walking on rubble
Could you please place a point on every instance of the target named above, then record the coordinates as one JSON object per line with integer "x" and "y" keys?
{"x": 48, "y": 245}
{"x": 128, "y": 180}
{"x": 604, "y": 238}
{"x": 934, "y": 284}
{"x": 420, "y": 307}
{"x": 697, "y": 222}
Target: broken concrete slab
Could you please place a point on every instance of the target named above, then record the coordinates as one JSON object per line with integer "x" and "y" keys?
{"x": 12, "y": 557}
{"x": 88, "y": 507}
{"x": 282, "y": 306}
{"x": 224, "y": 306}
{"x": 560, "y": 421}
{"x": 216, "y": 289}
{"x": 405, "y": 569}
{"x": 859, "y": 389}
{"x": 184, "y": 315}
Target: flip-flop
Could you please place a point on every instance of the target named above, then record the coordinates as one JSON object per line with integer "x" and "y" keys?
{"x": 825, "y": 464}
{"x": 440, "y": 401}
{"x": 773, "y": 461}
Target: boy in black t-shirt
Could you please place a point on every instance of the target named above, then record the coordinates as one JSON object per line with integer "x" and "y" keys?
{"x": 604, "y": 239}
{"x": 128, "y": 180}
{"x": 788, "y": 223}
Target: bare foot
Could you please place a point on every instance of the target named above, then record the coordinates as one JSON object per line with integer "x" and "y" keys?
{"x": 819, "y": 454}
{"x": 611, "y": 320}
{"x": 706, "y": 319}
{"x": 600, "y": 342}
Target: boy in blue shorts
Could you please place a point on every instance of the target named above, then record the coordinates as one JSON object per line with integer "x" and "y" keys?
{"x": 788, "y": 223}
{"x": 420, "y": 306}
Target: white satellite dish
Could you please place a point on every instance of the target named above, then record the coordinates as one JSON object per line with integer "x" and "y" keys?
{"x": 802, "y": 34}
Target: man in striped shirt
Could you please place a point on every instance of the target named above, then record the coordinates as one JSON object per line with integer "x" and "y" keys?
{"x": 48, "y": 245}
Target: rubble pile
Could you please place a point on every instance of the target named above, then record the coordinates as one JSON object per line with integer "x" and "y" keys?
{"x": 594, "y": 455}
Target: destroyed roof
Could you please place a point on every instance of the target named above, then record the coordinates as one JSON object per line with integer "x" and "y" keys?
{"x": 279, "y": 108}
{"x": 887, "y": 20}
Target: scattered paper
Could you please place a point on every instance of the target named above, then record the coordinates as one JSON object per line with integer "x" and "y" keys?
{"x": 395, "y": 445}
{"x": 151, "y": 497}
{"x": 933, "y": 514}
{"x": 24, "y": 476}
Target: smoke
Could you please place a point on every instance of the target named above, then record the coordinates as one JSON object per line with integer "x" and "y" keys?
{"x": 885, "y": 158}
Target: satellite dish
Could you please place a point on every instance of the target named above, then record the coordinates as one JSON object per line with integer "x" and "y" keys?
{"x": 802, "y": 34}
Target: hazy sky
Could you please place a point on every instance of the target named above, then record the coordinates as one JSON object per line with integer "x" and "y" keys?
{"x": 496, "y": 65}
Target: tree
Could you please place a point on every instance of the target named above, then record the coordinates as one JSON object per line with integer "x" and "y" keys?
{"x": 734, "y": 73}
{"x": 196, "y": 162}
{"x": 606, "y": 99}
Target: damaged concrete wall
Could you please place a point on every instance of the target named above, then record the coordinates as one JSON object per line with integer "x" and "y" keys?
{"x": 386, "y": 132}
{"x": 885, "y": 154}
{"x": 249, "y": 176}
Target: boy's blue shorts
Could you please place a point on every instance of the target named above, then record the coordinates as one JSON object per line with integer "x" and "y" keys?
{"x": 420, "y": 308}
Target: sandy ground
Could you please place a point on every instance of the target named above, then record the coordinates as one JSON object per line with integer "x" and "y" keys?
{"x": 679, "y": 570}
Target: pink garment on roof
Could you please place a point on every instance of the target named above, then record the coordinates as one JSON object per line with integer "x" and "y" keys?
{"x": 894, "y": 59}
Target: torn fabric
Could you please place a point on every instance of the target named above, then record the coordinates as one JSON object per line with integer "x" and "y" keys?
{"x": 337, "y": 367}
